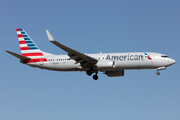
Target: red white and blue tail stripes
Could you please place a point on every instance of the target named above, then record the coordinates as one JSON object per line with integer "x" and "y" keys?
{"x": 29, "y": 48}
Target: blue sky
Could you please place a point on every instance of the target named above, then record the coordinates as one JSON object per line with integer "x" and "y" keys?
{"x": 90, "y": 27}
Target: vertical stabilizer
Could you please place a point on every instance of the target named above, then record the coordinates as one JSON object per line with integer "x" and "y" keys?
{"x": 28, "y": 47}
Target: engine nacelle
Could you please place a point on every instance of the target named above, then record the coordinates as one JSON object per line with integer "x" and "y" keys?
{"x": 116, "y": 73}
{"x": 105, "y": 64}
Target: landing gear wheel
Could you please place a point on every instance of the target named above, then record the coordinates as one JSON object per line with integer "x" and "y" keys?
{"x": 158, "y": 73}
{"x": 95, "y": 77}
{"x": 89, "y": 72}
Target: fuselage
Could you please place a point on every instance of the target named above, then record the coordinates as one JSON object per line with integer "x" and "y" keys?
{"x": 122, "y": 61}
{"x": 112, "y": 64}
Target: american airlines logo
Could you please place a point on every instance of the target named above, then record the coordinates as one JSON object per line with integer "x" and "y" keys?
{"x": 128, "y": 57}
{"x": 125, "y": 57}
{"x": 149, "y": 58}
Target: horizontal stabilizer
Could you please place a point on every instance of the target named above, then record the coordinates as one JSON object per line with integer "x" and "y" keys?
{"x": 18, "y": 56}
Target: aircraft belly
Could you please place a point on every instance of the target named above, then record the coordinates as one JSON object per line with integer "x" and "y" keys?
{"x": 64, "y": 65}
{"x": 133, "y": 64}
{"x": 57, "y": 66}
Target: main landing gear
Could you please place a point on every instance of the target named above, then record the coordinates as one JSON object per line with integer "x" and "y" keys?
{"x": 95, "y": 77}
{"x": 89, "y": 73}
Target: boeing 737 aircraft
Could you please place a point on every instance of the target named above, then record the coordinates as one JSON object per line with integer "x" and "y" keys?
{"x": 112, "y": 64}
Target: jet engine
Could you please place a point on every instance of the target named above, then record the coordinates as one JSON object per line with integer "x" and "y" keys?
{"x": 105, "y": 64}
{"x": 116, "y": 73}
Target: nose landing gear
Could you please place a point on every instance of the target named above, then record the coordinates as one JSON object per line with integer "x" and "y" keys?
{"x": 158, "y": 73}
{"x": 160, "y": 68}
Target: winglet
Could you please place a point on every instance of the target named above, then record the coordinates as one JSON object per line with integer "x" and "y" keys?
{"x": 50, "y": 36}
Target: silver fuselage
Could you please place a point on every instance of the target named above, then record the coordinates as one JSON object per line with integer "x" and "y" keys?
{"x": 123, "y": 61}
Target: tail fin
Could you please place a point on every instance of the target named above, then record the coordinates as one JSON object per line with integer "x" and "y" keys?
{"x": 26, "y": 43}
{"x": 28, "y": 47}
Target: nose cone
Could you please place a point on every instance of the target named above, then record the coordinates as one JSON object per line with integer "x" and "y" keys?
{"x": 171, "y": 61}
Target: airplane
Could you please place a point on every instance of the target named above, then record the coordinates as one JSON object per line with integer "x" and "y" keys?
{"x": 112, "y": 64}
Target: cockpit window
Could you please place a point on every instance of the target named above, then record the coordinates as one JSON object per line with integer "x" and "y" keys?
{"x": 164, "y": 56}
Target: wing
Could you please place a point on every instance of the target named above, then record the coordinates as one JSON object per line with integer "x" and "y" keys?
{"x": 84, "y": 60}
